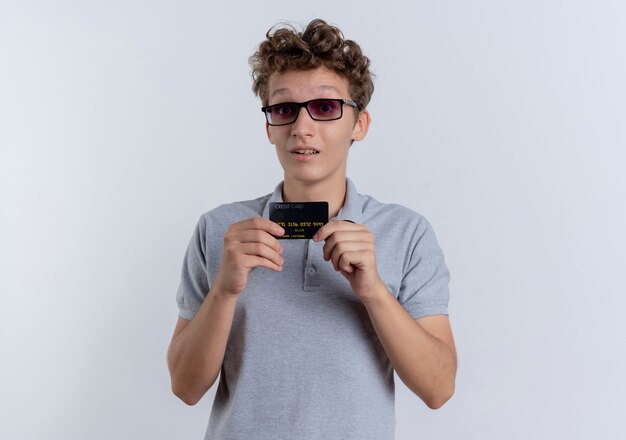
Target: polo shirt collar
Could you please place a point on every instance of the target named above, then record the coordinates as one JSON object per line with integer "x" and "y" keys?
{"x": 352, "y": 209}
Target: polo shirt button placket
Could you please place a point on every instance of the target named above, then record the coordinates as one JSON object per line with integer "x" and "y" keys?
{"x": 311, "y": 275}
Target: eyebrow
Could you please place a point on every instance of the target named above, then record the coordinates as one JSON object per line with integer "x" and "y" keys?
{"x": 320, "y": 88}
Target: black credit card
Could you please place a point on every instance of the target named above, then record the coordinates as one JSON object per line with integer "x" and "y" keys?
{"x": 300, "y": 220}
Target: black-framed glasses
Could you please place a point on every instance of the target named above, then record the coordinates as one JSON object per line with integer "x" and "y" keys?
{"x": 325, "y": 109}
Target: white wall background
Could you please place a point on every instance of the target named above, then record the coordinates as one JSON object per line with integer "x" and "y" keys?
{"x": 502, "y": 122}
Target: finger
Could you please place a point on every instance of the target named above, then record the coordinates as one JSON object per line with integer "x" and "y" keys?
{"x": 341, "y": 236}
{"x": 336, "y": 225}
{"x": 351, "y": 260}
{"x": 258, "y": 236}
{"x": 347, "y": 247}
{"x": 345, "y": 274}
{"x": 251, "y": 262}
{"x": 264, "y": 262}
{"x": 258, "y": 223}
{"x": 261, "y": 250}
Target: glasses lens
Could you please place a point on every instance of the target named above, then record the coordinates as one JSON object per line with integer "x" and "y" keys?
{"x": 325, "y": 109}
{"x": 281, "y": 113}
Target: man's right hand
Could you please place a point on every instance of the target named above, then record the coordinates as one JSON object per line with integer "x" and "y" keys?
{"x": 248, "y": 244}
{"x": 197, "y": 349}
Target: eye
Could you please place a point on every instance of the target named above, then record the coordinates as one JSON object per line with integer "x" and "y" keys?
{"x": 283, "y": 110}
{"x": 324, "y": 107}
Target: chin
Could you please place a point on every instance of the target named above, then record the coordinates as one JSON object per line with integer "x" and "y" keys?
{"x": 303, "y": 179}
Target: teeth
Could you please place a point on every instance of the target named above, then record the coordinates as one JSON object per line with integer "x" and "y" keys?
{"x": 306, "y": 151}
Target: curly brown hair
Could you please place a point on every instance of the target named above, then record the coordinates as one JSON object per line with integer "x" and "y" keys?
{"x": 319, "y": 44}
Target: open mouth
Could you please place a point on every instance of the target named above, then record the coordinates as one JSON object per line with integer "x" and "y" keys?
{"x": 306, "y": 151}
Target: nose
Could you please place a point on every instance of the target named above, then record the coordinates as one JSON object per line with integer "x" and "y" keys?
{"x": 303, "y": 126}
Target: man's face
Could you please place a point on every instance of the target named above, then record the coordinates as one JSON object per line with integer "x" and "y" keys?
{"x": 329, "y": 139}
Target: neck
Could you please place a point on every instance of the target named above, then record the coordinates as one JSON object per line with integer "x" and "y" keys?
{"x": 333, "y": 192}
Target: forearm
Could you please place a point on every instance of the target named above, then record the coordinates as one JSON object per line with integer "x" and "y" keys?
{"x": 426, "y": 364}
{"x": 195, "y": 355}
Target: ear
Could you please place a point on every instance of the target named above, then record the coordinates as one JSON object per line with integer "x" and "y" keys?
{"x": 361, "y": 126}
{"x": 269, "y": 133}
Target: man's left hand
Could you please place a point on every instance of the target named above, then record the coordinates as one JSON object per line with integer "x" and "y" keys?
{"x": 351, "y": 249}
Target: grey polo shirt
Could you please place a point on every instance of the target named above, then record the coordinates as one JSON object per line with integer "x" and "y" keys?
{"x": 303, "y": 360}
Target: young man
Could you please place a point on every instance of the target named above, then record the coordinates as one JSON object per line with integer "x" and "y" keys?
{"x": 307, "y": 333}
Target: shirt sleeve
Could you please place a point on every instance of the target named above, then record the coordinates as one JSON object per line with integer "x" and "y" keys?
{"x": 194, "y": 279}
{"x": 424, "y": 289}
